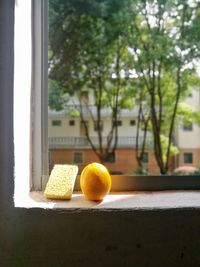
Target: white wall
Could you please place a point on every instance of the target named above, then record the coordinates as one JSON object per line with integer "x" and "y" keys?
{"x": 194, "y": 99}
{"x": 184, "y": 139}
{"x": 190, "y": 139}
{"x": 64, "y": 129}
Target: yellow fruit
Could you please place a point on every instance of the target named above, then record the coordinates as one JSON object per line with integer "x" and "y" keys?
{"x": 95, "y": 181}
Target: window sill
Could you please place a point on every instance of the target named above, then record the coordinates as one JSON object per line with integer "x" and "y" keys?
{"x": 135, "y": 200}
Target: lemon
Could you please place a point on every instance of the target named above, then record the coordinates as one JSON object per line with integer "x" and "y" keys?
{"x": 95, "y": 181}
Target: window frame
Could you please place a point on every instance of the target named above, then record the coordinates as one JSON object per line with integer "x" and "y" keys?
{"x": 39, "y": 97}
{"x": 38, "y": 149}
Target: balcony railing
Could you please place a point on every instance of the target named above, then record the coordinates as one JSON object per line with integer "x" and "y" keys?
{"x": 69, "y": 142}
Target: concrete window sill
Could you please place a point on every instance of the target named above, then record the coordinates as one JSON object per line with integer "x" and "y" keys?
{"x": 135, "y": 200}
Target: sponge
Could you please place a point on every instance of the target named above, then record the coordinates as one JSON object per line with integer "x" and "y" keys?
{"x": 61, "y": 182}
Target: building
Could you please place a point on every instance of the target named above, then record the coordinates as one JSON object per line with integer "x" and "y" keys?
{"x": 187, "y": 137}
{"x": 68, "y": 142}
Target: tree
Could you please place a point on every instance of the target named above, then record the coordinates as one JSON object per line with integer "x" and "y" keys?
{"x": 57, "y": 97}
{"x": 92, "y": 43}
{"x": 161, "y": 57}
{"x": 87, "y": 49}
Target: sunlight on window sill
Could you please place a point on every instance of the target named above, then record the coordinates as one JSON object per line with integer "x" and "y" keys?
{"x": 137, "y": 200}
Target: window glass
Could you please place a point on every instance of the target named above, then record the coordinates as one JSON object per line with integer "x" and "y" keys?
{"x": 146, "y": 157}
{"x": 98, "y": 126}
{"x": 56, "y": 122}
{"x": 132, "y": 122}
{"x": 188, "y": 158}
{"x": 78, "y": 157}
{"x": 118, "y": 123}
{"x": 71, "y": 122}
{"x": 111, "y": 158}
{"x": 125, "y": 72}
{"x": 188, "y": 127}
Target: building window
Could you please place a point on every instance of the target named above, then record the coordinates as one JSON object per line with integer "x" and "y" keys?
{"x": 145, "y": 157}
{"x": 111, "y": 158}
{"x": 188, "y": 127}
{"x": 71, "y": 122}
{"x": 188, "y": 158}
{"x": 118, "y": 123}
{"x": 98, "y": 127}
{"x": 132, "y": 122}
{"x": 56, "y": 122}
{"x": 78, "y": 157}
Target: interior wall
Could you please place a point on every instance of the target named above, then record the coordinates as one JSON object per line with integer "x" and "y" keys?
{"x": 37, "y": 237}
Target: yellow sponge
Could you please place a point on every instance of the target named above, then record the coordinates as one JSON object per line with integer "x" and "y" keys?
{"x": 61, "y": 182}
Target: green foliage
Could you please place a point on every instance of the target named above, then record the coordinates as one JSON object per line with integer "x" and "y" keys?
{"x": 125, "y": 51}
{"x": 196, "y": 172}
{"x": 74, "y": 113}
{"x": 187, "y": 114}
{"x": 57, "y": 97}
{"x": 173, "y": 149}
{"x": 141, "y": 171}
{"x": 191, "y": 173}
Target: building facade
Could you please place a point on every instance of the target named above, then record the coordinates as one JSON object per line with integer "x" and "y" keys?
{"x": 68, "y": 142}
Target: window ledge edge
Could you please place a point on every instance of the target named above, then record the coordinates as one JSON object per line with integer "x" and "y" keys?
{"x": 116, "y": 201}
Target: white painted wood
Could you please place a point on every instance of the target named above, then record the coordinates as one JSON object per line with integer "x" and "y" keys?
{"x": 30, "y": 96}
{"x": 39, "y": 95}
{"x": 22, "y": 94}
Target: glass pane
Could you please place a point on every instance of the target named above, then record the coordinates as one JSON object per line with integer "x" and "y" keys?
{"x": 124, "y": 85}
{"x": 78, "y": 157}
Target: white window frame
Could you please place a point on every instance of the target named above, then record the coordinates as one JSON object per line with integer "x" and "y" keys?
{"x": 39, "y": 94}
{"x": 30, "y": 97}
{"x": 32, "y": 173}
